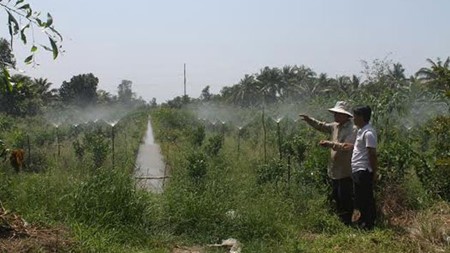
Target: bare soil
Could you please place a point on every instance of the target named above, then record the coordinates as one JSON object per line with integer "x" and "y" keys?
{"x": 16, "y": 235}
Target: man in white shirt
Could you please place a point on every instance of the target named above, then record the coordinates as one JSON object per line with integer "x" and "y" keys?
{"x": 364, "y": 167}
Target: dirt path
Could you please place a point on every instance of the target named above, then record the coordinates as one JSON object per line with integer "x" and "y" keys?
{"x": 150, "y": 168}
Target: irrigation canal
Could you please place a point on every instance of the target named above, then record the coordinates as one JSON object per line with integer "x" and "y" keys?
{"x": 150, "y": 168}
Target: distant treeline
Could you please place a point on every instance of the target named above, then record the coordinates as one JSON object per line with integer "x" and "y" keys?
{"x": 299, "y": 83}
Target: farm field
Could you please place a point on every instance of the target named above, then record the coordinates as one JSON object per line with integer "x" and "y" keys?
{"x": 255, "y": 175}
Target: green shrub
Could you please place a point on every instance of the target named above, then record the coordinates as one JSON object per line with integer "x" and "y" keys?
{"x": 79, "y": 149}
{"x": 197, "y": 166}
{"x": 198, "y": 135}
{"x": 313, "y": 170}
{"x": 43, "y": 137}
{"x": 416, "y": 196}
{"x": 98, "y": 145}
{"x": 214, "y": 145}
{"x": 271, "y": 172}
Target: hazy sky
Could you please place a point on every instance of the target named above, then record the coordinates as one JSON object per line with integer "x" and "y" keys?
{"x": 148, "y": 41}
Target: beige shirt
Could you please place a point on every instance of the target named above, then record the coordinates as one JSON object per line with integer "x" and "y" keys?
{"x": 340, "y": 160}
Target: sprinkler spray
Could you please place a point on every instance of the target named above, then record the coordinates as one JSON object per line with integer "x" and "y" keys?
{"x": 264, "y": 131}
{"x": 278, "y": 120}
{"x": 113, "y": 135}
{"x": 223, "y": 129}
{"x": 113, "y": 124}
{"x": 239, "y": 140}
{"x": 57, "y": 138}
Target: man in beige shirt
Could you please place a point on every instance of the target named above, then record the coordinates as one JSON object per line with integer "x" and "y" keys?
{"x": 342, "y": 131}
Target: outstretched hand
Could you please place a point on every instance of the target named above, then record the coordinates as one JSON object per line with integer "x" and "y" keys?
{"x": 304, "y": 116}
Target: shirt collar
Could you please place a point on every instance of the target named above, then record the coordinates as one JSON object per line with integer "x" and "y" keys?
{"x": 367, "y": 126}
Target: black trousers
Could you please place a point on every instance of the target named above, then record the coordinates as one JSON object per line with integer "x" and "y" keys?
{"x": 343, "y": 196}
{"x": 364, "y": 199}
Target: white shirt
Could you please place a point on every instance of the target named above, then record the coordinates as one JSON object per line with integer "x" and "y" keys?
{"x": 366, "y": 137}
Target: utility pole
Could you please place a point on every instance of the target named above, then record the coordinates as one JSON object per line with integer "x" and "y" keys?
{"x": 185, "y": 80}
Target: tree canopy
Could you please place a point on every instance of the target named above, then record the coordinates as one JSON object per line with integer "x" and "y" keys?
{"x": 81, "y": 90}
{"x": 6, "y": 56}
{"x": 125, "y": 93}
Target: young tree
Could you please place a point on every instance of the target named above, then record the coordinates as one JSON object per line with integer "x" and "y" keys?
{"x": 153, "y": 103}
{"x": 125, "y": 94}
{"x": 205, "y": 95}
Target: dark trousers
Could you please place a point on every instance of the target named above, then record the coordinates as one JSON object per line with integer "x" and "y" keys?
{"x": 342, "y": 195}
{"x": 364, "y": 200}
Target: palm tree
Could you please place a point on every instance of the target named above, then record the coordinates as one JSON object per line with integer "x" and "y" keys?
{"x": 306, "y": 77}
{"x": 289, "y": 85}
{"x": 104, "y": 97}
{"x": 355, "y": 83}
{"x": 344, "y": 85}
{"x": 315, "y": 86}
{"x": 245, "y": 93}
{"x": 397, "y": 76}
{"x": 397, "y": 71}
{"x": 270, "y": 84}
{"x": 42, "y": 88}
{"x": 437, "y": 76}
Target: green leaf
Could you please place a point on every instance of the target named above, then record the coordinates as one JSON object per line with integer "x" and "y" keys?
{"x": 57, "y": 33}
{"x": 30, "y": 12}
{"x": 49, "y": 20}
{"x": 54, "y": 48}
{"x": 25, "y": 6}
{"x": 34, "y": 49}
{"x": 40, "y": 23}
{"x": 12, "y": 24}
{"x": 23, "y": 35}
{"x": 19, "y": 2}
{"x": 29, "y": 59}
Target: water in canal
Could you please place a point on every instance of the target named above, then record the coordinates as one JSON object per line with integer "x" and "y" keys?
{"x": 150, "y": 169}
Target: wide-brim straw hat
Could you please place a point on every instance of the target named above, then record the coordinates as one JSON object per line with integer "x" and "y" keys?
{"x": 341, "y": 107}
